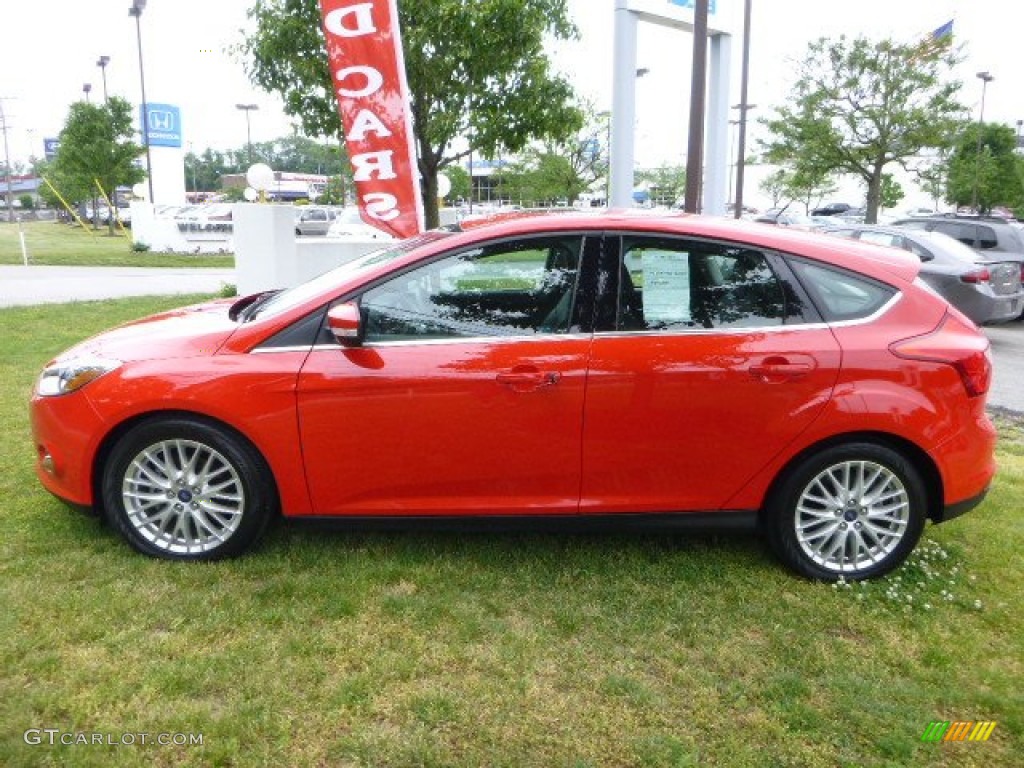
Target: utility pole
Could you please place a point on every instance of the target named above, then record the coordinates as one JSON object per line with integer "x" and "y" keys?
{"x": 7, "y": 164}
{"x": 695, "y": 140}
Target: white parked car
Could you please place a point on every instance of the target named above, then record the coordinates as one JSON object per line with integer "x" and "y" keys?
{"x": 349, "y": 225}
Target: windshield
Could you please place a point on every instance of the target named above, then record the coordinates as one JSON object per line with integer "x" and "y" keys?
{"x": 293, "y": 297}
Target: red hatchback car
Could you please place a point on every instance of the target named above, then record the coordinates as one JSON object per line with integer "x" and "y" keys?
{"x": 616, "y": 366}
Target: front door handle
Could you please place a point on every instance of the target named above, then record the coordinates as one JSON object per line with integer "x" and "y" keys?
{"x": 526, "y": 378}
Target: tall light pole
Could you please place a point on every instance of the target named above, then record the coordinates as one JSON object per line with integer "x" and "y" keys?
{"x": 86, "y": 87}
{"x": 744, "y": 107}
{"x": 138, "y": 6}
{"x": 7, "y": 165}
{"x": 985, "y": 78}
{"x": 102, "y": 62}
{"x": 248, "y": 108}
{"x": 741, "y": 150}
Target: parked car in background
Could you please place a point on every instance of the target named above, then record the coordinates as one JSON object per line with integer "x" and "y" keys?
{"x": 986, "y": 290}
{"x": 985, "y": 234}
{"x": 618, "y": 368}
{"x": 314, "y": 220}
{"x": 831, "y": 209}
{"x": 787, "y": 219}
{"x": 348, "y": 224}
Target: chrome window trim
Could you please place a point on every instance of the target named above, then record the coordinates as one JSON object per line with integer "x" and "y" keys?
{"x": 896, "y": 297}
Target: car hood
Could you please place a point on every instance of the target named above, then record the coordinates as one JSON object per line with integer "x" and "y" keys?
{"x": 194, "y": 331}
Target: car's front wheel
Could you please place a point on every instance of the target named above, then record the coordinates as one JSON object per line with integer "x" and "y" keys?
{"x": 184, "y": 489}
{"x": 853, "y": 511}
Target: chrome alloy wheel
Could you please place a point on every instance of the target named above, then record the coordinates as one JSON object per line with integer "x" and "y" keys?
{"x": 852, "y": 515}
{"x": 183, "y": 496}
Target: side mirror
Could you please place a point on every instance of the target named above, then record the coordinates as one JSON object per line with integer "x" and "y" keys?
{"x": 346, "y": 323}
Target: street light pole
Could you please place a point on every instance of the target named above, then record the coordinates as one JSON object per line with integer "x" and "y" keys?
{"x": 7, "y": 165}
{"x": 102, "y": 64}
{"x": 985, "y": 78}
{"x": 86, "y": 87}
{"x": 247, "y": 108}
{"x": 744, "y": 107}
{"x": 138, "y": 6}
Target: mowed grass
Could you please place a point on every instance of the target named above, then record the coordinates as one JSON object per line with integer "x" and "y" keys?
{"x": 52, "y": 243}
{"x": 438, "y": 649}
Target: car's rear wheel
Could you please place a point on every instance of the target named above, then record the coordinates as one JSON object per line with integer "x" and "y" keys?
{"x": 853, "y": 511}
{"x": 183, "y": 489}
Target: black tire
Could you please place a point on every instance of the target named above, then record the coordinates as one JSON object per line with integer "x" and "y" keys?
{"x": 819, "y": 526}
{"x": 183, "y": 489}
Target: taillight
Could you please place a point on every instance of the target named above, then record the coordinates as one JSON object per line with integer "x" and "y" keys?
{"x": 980, "y": 275}
{"x": 957, "y": 343}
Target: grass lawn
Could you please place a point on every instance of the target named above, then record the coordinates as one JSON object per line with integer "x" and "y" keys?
{"x": 54, "y": 244}
{"x": 413, "y": 649}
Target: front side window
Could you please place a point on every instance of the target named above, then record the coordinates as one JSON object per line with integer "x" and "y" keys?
{"x": 519, "y": 288}
{"x": 668, "y": 284}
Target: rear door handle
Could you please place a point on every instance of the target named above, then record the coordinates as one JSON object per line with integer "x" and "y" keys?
{"x": 779, "y": 369}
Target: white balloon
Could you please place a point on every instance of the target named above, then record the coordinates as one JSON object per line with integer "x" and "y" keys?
{"x": 250, "y": 194}
{"x": 444, "y": 185}
{"x": 260, "y": 176}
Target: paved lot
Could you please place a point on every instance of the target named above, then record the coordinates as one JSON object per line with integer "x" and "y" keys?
{"x": 47, "y": 285}
{"x": 1008, "y": 354}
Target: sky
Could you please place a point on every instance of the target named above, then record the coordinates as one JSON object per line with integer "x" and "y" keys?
{"x": 50, "y": 50}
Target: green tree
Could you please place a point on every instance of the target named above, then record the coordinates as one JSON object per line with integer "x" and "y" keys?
{"x": 542, "y": 177}
{"x": 988, "y": 178}
{"x": 666, "y": 184}
{"x": 809, "y": 186}
{"x": 459, "y": 178}
{"x": 474, "y": 69}
{"x": 775, "y": 186}
{"x": 931, "y": 176}
{"x": 891, "y": 192}
{"x": 96, "y": 146}
{"x": 859, "y": 106}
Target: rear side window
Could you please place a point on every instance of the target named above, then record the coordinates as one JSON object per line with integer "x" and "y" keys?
{"x": 987, "y": 237}
{"x": 842, "y": 295}
{"x": 668, "y": 284}
{"x": 963, "y": 231}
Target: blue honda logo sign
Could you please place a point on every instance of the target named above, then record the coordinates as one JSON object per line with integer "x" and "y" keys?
{"x": 163, "y": 124}
{"x": 50, "y": 147}
{"x": 691, "y": 4}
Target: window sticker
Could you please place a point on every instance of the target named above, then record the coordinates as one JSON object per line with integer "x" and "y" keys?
{"x": 666, "y": 288}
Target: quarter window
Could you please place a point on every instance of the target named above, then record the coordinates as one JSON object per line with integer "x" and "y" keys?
{"x": 511, "y": 289}
{"x": 841, "y": 295}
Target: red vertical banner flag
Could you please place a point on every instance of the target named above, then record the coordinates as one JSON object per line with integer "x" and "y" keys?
{"x": 364, "y": 50}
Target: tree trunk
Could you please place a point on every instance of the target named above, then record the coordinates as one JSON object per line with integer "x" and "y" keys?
{"x": 874, "y": 196}
{"x": 428, "y": 186}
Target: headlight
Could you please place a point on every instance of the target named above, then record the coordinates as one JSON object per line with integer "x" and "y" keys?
{"x": 65, "y": 377}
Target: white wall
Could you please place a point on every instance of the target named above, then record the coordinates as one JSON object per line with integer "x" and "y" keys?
{"x": 268, "y": 255}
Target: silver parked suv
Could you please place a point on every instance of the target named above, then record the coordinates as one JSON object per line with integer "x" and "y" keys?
{"x": 997, "y": 242}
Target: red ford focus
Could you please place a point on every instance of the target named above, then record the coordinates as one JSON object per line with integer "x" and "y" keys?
{"x": 613, "y": 367}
